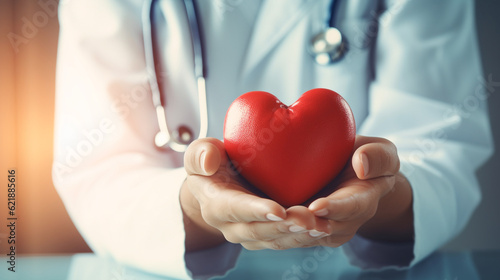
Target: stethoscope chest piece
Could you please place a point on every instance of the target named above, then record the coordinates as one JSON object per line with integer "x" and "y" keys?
{"x": 328, "y": 46}
{"x": 162, "y": 138}
{"x": 177, "y": 140}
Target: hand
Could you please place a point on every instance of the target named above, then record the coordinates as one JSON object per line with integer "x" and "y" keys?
{"x": 217, "y": 206}
{"x": 371, "y": 197}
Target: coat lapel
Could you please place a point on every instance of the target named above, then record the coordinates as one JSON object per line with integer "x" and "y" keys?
{"x": 275, "y": 19}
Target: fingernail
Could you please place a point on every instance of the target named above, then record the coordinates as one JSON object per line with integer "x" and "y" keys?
{"x": 273, "y": 218}
{"x": 296, "y": 228}
{"x": 364, "y": 162}
{"x": 322, "y": 212}
{"x": 315, "y": 233}
{"x": 202, "y": 161}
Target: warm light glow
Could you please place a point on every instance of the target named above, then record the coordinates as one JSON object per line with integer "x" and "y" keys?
{"x": 26, "y": 137}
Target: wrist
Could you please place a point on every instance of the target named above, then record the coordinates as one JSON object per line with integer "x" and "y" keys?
{"x": 393, "y": 220}
{"x": 199, "y": 234}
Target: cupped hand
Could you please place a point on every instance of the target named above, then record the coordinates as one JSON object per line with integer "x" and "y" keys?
{"x": 216, "y": 203}
{"x": 369, "y": 197}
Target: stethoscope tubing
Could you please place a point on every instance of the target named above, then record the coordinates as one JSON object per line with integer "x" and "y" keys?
{"x": 164, "y": 136}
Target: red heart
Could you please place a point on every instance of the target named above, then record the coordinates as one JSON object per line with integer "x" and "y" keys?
{"x": 289, "y": 152}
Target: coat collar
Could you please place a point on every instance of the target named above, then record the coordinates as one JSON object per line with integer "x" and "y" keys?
{"x": 275, "y": 19}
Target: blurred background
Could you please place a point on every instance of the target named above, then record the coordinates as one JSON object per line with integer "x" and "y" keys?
{"x": 27, "y": 76}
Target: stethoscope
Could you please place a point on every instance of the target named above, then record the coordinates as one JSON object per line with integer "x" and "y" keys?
{"x": 326, "y": 48}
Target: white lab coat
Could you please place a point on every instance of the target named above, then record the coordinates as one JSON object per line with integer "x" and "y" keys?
{"x": 415, "y": 80}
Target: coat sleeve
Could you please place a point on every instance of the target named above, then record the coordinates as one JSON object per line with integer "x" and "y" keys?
{"x": 120, "y": 191}
{"x": 428, "y": 97}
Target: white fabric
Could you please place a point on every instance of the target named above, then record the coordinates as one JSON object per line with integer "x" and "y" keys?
{"x": 413, "y": 80}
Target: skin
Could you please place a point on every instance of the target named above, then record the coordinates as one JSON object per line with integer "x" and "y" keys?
{"x": 370, "y": 197}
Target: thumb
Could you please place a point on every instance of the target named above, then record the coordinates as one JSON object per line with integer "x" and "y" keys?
{"x": 204, "y": 156}
{"x": 375, "y": 157}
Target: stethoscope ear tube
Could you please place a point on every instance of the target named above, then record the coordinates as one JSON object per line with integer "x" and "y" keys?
{"x": 183, "y": 136}
{"x": 162, "y": 138}
{"x": 194, "y": 27}
{"x": 199, "y": 65}
{"x": 147, "y": 33}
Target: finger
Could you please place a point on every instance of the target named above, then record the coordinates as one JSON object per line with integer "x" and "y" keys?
{"x": 375, "y": 157}
{"x": 288, "y": 241}
{"x": 204, "y": 156}
{"x": 254, "y": 231}
{"x": 278, "y": 245}
{"x": 247, "y": 207}
{"x": 355, "y": 199}
{"x": 222, "y": 200}
{"x": 300, "y": 219}
{"x": 304, "y": 240}
{"x": 300, "y": 240}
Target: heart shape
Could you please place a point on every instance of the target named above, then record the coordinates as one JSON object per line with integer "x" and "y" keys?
{"x": 289, "y": 152}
